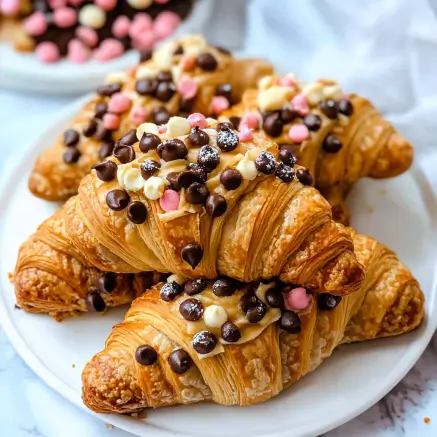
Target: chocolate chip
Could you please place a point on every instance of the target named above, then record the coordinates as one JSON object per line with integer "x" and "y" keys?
{"x": 145, "y": 55}
{"x": 274, "y": 298}
{"x": 235, "y": 122}
{"x": 208, "y": 157}
{"x": 90, "y": 129}
{"x": 137, "y": 212}
{"x": 327, "y": 301}
{"x": 287, "y": 115}
{"x": 106, "y": 171}
{"x": 216, "y": 205}
{"x": 273, "y": 125}
{"x": 331, "y": 144}
{"x": 227, "y": 140}
{"x": 71, "y": 137}
{"x": 186, "y": 105}
{"x": 290, "y": 322}
{"x": 103, "y": 134}
{"x": 106, "y": 149}
{"x": 207, "y": 62}
{"x": 149, "y": 142}
{"x": 100, "y": 109}
{"x": 224, "y": 125}
{"x": 109, "y": 90}
{"x": 165, "y": 91}
{"x": 248, "y": 300}
{"x": 285, "y": 172}
{"x": 191, "y": 309}
{"x": 160, "y": 116}
{"x": 170, "y": 291}
{"x": 172, "y": 149}
{"x": 329, "y": 108}
{"x": 345, "y": 107}
{"x": 257, "y": 312}
{"x": 204, "y": 342}
{"x": 146, "y": 355}
{"x": 312, "y": 122}
{"x": 196, "y": 194}
{"x": 230, "y": 332}
{"x": 195, "y": 286}
{"x": 224, "y": 90}
{"x": 192, "y": 254}
{"x": 265, "y": 163}
{"x": 223, "y": 287}
{"x": 179, "y": 361}
{"x": 164, "y": 76}
{"x": 286, "y": 155}
{"x": 149, "y": 167}
{"x": 106, "y": 282}
{"x": 198, "y": 137}
{"x": 146, "y": 87}
{"x": 179, "y": 50}
{"x": 173, "y": 178}
{"x": 231, "y": 178}
{"x": 129, "y": 139}
{"x": 95, "y": 302}
{"x": 124, "y": 154}
{"x": 199, "y": 171}
{"x": 147, "y": 280}
{"x": 117, "y": 200}
{"x": 304, "y": 176}
{"x": 71, "y": 156}
{"x": 188, "y": 177}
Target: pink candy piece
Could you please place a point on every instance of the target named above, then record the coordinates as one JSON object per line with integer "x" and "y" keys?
{"x": 47, "y": 52}
{"x": 219, "y": 104}
{"x": 138, "y": 115}
{"x": 36, "y": 24}
{"x": 245, "y": 133}
{"x": 88, "y": 36}
{"x": 169, "y": 201}
{"x": 55, "y": 4}
{"x": 107, "y": 5}
{"x": 75, "y": 2}
{"x": 287, "y": 81}
{"x": 77, "y": 51}
{"x": 297, "y": 299}
{"x": 298, "y": 133}
{"x": 121, "y": 26}
{"x": 109, "y": 49}
{"x": 64, "y": 17}
{"x": 300, "y": 104}
{"x": 188, "y": 63}
{"x": 143, "y": 41}
{"x": 162, "y": 129}
{"x": 119, "y": 103}
{"x": 197, "y": 119}
{"x": 111, "y": 121}
{"x": 10, "y": 7}
{"x": 250, "y": 120}
{"x": 187, "y": 87}
{"x": 141, "y": 23}
{"x": 165, "y": 24}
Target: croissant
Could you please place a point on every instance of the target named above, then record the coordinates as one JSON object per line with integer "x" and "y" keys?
{"x": 340, "y": 138}
{"x": 209, "y": 347}
{"x": 181, "y": 77}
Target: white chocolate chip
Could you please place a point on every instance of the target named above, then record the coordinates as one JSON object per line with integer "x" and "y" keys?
{"x": 145, "y": 72}
{"x": 215, "y": 316}
{"x": 178, "y": 126}
{"x": 266, "y": 82}
{"x": 274, "y": 98}
{"x": 140, "y": 4}
{"x": 211, "y": 121}
{"x": 247, "y": 168}
{"x": 129, "y": 177}
{"x": 291, "y": 76}
{"x": 332, "y": 92}
{"x": 92, "y": 16}
{"x": 262, "y": 289}
{"x": 154, "y": 187}
{"x": 150, "y": 128}
{"x": 163, "y": 57}
{"x": 313, "y": 93}
{"x": 116, "y": 77}
{"x": 177, "y": 278}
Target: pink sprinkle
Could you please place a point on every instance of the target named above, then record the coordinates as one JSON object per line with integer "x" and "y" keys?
{"x": 251, "y": 120}
{"x": 55, "y": 4}
{"x": 298, "y": 133}
{"x": 143, "y": 41}
{"x": 107, "y": 5}
{"x": 188, "y": 63}
{"x": 165, "y": 24}
{"x": 169, "y": 201}
{"x": 36, "y": 24}
{"x": 111, "y": 121}
{"x": 47, "y": 52}
{"x": 10, "y": 7}
{"x": 197, "y": 119}
{"x": 245, "y": 133}
{"x": 141, "y": 23}
{"x": 138, "y": 115}
{"x": 119, "y": 103}
{"x": 109, "y": 49}
{"x": 297, "y": 299}
{"x": 64, "y": 17}
{"x": 75, "y": 2}
{"x": 77, "y": 51}
{"x": 121, "y": 26}
{"x": 287, "y": 81}
{"x": 87, "y": 35}
{"x": 162, "y": 129}
{"x": 300, "y": 104}
{"x": 187, "y": 87}
{"x": 219, "y": 104}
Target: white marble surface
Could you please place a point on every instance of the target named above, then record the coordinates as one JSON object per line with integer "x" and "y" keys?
{"x": 29, "y": 407}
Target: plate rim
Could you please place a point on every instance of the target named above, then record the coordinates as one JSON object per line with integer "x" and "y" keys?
{"x": 426, "y": 331}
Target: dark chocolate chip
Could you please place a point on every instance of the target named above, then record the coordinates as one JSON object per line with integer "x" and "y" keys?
{"x": 224, "y": 125}
{"x": 224, "y": 90}
{"x": 327, "y": 301}
{"x": 71, "y": 137}
{"x": 95, "y": 302}
{"x": 192, "y": 254}
{"x": 106, "y": 171}
{"x": 117, "y": 200}
{"x": 290, "y": 322}
{"x": 273, "y": 125}
{"x": 329, "y": 108}
{"x": 146, "y": 87}
{"x": 195, "y": 286}
{"x": 274, "y": 298}
{"x": 179, "y": 361}
{"x": 285, "y": 172}
{"x": 199, "y": 171}
{"x": 124, "y": 154}
{"x": 149, "y": 142}
{"x": 164, "y": 76}
{"x": 257, "y": 312}
{"x": 248, "y": 300}
{"x": 286, "y": 154}
{"x": 345, "y": 107}
{"x": 313, "y": 122}
{"x": 165, "y": 91}
{"x": 170, "y": 291}
{"x": 265, "y": 163}
{"x": 90, "y": 129}
{"x": 191, "y": 309}
{"x": 230, "y": 332}
{"x": 103, "y": 134}
{"x": 109, "y": 90}
{"x": 145, "y": 55}
{"x": 137, "y": 212}
{"x": 231, "y": 178}
{"x": 146, "y": 355}
{"x": 106, "y": 149}
{"x": 204, "y": 342}
{"x": 186, "y": 105}
{"x": 331, "y": 144}
{"x": 196, "y": 194}
{"x": 129, "y": 139}
{"x": 149, "y": 167}
{"x": 160, "y": 116}
{"x": 147, "y": 280}
{"x": 188, "y": 177}
{"x": 173, "y": 178}
{"x": 100, "y": 110}
{"x": 235, "y": 122}
{"x": 106, "y": 282}
{"x": 198, "y": 137}
{"x": 208, "y": 157}
{"x": 179, "y": 50}
{"x": 216, "y": 205}
{"x": 71, "y": 156}
{"x": 207, "y": 62}
{"x": 304, "y": 176}
{"x": 287, "y": 115}
{"x": 227, "y": 140}
{"x": 172, "y": 149}
{"x": 223, "y": 287}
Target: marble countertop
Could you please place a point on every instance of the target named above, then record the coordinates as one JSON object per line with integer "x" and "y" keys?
{"x": 30, "y": 408}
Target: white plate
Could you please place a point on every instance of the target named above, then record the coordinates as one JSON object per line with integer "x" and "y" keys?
{"x": 400, "y": 212}
{"x": 23, "y": 71}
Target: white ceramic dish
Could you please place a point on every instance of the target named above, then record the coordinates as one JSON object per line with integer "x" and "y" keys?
{"x": 24, "y": 72}
{"x": 400, "y": 212}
